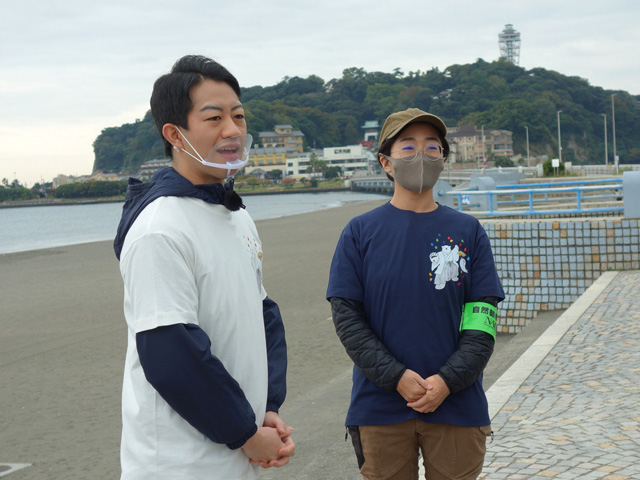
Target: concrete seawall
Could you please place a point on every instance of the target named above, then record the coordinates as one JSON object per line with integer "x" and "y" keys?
{"x": 548, "y": 264}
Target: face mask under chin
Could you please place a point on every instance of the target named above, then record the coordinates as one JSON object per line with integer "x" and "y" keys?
{"x": 229, "y": 154}
{"x": 416, "y": 173}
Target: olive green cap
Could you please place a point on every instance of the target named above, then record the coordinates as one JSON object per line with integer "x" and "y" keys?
{"x": 399, "y": 120}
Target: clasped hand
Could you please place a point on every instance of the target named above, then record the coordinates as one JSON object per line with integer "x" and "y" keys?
{"x": 422, "y": 394}
{"x": 271, "y": 445}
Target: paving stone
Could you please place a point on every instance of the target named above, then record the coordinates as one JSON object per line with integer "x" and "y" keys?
{"x": 575, "y": 416}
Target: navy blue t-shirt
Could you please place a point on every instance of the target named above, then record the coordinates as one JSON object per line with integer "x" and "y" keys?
{"x": 414, "y": 272}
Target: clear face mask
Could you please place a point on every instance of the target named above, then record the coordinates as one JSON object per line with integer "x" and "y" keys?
{"x": 229, "y": 154}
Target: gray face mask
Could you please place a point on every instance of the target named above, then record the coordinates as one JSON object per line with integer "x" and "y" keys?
{"x": 417, "y": 173}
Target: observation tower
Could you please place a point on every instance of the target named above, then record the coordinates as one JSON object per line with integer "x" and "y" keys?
{"x": 509, "y": 41}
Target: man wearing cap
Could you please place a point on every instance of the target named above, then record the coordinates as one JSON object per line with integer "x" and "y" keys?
{"x": 414, "y": 293}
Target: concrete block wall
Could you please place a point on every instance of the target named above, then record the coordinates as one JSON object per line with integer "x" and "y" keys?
{"x": 547, "y": 264}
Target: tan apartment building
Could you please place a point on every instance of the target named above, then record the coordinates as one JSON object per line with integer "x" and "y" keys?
{"x": 274, "y": 149}
{"x": 283, "y": 136}
{"x": 148, "y": 169}
{"x": 66, "y": 179}
{"x": 467, "y": 143}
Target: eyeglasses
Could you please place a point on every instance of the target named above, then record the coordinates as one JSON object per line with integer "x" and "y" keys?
{"x": 432, "y": 150}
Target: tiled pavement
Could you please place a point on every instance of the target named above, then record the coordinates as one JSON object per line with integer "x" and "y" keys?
{"x": 569, "y": 408}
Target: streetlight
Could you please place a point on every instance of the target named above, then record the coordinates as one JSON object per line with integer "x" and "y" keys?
{"x": 448, "y": 161}
{"x": 559, "y": 138}
{"x": 528, "y": 162}
{"x": 483, "y": 150}
{"x": 606, "y": 150}
{"x": 613, "y": 122}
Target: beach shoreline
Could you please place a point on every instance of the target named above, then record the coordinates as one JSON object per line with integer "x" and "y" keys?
{"x": 58, "y": 202}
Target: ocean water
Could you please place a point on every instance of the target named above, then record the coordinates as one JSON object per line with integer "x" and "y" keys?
{"x": 33, "y": 228}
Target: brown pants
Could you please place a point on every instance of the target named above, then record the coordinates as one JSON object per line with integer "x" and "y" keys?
{"x": 391, "y": 452}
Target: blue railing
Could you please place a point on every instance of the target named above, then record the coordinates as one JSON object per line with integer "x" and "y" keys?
{"x": 561, "y": 184}
{"x": 550, "y": 188}
{"x": 576, "y": 192}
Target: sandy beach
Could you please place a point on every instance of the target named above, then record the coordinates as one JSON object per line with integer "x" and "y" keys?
{"x": 64, "y": 337}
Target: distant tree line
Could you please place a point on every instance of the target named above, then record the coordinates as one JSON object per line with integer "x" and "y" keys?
{"x": 76, "y": 190}
{"x": 16, "y": 194}
{"x": 498, "y": 95}
{"x": 91, "y": 189}
{"x": 14, "y": 191}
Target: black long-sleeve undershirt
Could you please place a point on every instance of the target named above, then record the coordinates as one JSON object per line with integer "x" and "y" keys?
{"x": 380, "y": 367}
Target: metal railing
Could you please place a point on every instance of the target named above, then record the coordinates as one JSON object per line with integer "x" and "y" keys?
{"x": 578, "y": 197}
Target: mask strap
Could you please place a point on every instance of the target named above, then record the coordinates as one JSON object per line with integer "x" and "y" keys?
{"x": 389, "y": 160}
{"x": 199, "y": 158}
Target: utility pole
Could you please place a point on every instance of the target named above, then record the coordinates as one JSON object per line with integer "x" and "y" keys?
{"x": 528, "y": 161}
{"x": 483, "y": 150}
{"x": 606, "y": 150}
{"x": 559, "y": 138}
{"x": 613, "y": 121}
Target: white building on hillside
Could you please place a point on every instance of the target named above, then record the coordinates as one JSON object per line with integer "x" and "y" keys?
{"x": 297, "y": 166}
{"x": 350, "y": 159}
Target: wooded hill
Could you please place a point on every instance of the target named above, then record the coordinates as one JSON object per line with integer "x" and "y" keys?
{"x": 498, "y": 95}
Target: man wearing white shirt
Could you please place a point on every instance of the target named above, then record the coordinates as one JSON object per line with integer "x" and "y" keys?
{"x": 206, "y": 358}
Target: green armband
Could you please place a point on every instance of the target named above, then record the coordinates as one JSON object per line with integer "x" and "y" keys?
{"x": 479, "y": 316}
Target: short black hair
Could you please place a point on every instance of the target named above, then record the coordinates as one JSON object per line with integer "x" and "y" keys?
{"x": 385, "y": 147}
{"x": 170, "y": 99}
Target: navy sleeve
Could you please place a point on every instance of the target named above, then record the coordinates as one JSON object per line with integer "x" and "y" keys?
{"x": 485, "y": 281}
{"x": 178, "y": 363}
{"x": 276, "y": 354}
{"x": 346, "y": 273}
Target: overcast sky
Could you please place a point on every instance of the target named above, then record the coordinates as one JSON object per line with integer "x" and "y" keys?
{"x": 69, "y": 69}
